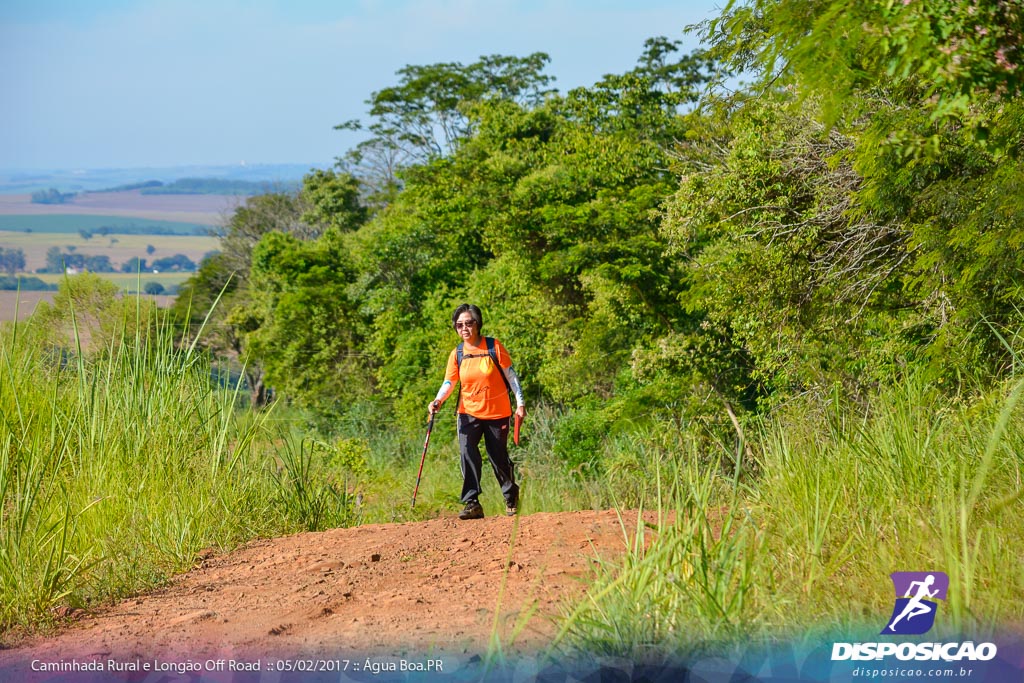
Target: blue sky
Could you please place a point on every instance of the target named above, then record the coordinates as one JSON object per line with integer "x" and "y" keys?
{"x": 151, "y": 83}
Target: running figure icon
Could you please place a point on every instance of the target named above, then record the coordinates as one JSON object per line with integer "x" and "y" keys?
{"x": 917, "y": 601}
{"x": 917, "y": 606}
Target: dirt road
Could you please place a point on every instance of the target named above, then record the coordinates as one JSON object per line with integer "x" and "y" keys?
{"x": 396, "y": 592}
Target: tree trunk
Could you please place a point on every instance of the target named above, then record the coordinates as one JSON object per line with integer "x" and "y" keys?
{"x": 258, "y": 394}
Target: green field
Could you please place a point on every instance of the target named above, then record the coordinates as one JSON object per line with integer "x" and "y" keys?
{"x": 128, "y": 282}
{"x": 72, "y": 223}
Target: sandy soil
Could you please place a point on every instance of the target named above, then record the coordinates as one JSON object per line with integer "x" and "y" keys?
{"x": 441, "y": 587}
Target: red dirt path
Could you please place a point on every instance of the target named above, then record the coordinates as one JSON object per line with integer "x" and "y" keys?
{"x": 387, "y": 589}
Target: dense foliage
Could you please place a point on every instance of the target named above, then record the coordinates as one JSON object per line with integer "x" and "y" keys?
{"x": 658, "y": 246}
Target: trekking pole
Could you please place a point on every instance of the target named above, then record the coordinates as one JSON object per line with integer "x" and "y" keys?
{"x": 430, "y": 428}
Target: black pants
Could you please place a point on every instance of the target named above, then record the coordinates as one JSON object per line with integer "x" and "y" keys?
{"x": 495, "y": 436}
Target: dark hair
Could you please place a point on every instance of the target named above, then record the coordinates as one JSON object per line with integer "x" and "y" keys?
{"x": 473, "y": 311}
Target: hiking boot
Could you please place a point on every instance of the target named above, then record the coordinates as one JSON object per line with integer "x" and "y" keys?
{"x": 510, "y": 508}
{"x": 473, "y": 510}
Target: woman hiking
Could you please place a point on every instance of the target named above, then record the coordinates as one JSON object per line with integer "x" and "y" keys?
{"x": 483, "y": 368}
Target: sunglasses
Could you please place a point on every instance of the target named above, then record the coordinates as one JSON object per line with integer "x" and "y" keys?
{"x": 469, "y": 323}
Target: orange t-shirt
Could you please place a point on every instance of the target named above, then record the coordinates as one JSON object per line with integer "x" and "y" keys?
{"x": 483, "y": 393}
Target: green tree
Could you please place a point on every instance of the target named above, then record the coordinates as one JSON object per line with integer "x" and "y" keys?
{"x": 949, "y": 57}
{"x": 929, "y": 95}
{"x": 425, "y": 116}
{"x": 258, "y": 216}
{"x": 426, "y": 108}
{"x": 54, "y": 260}
{"x": 560, "y": 198}
{"x": 133, "y": 265}
{"x": 99, "y": 263}
{"x": 12, "y": 260}
{"x": 332, "y": 199}
{"x": 217, "y": 297}
{"x": 306, "y": 331}
{"x": 790, "y": 289}
{"x": 178, "y": 262}
{"x": 963, "y": 214}
{"x": 88, "y": 313}
{"x": 221, "y": 294}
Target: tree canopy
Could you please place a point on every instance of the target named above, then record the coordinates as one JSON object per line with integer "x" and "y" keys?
{"x": 663, "y": 243}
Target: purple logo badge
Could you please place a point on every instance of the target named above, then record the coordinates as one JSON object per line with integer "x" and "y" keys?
{"x": 917, "y": 594}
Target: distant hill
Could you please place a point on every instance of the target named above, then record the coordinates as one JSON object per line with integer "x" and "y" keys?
{"x": 208, "y": 186}
{"x": 274, "y": 176}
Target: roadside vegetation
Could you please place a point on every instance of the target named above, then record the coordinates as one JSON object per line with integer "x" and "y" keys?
{"x": 786, "y": 315}
{"x": 800, "y": 539}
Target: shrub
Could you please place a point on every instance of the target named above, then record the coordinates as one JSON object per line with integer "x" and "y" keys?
{"x": 579, "y": 441}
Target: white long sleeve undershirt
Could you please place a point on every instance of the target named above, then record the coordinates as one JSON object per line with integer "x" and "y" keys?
{"x": 513, "y": 381}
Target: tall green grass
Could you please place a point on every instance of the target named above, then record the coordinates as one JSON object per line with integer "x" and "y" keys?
{"x": 118, "y": 465}
{"x": 843, "y": 496}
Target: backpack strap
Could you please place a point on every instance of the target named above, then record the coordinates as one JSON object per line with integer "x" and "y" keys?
{"x": 493, "y": 353}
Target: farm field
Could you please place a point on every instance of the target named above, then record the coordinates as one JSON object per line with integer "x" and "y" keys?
{"x": 187, "y": 208}
{"x": 72, "y": 223}
{"x": 128, "y": 282}
{"x": 120, "y": 248}
{"x": 118, "y": 225}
